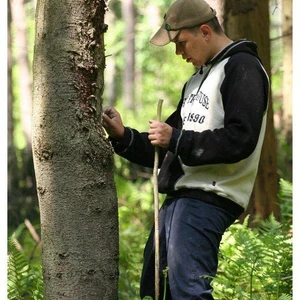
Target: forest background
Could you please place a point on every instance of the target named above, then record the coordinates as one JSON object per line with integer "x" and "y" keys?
{"x": 25, "y": 205}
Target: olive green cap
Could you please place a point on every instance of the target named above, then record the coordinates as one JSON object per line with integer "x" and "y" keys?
{"x": 182, "y": 14}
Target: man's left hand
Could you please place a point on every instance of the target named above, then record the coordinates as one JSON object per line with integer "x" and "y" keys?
{"x": 160, "y": 133}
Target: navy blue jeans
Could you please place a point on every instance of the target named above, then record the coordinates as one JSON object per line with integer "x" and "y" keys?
{"x": 190, "y": 234}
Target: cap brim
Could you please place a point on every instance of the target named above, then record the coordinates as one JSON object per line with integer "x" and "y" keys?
{"x": 163, "y": 37}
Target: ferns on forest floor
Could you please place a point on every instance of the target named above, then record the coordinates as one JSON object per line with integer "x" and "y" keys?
{"x": 254, "y": 263}
{"x": 23, "y": 281}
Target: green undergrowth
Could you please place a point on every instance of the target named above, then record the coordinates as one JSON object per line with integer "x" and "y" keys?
{"x": 254, "y": 263}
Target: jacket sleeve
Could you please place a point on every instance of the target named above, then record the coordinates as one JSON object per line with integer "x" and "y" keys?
{"x": 244, "y": 91}
{"x": 136, "y": 147}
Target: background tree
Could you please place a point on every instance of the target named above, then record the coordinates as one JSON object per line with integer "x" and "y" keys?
{"x": 110, "y": 70}
{"x": 287, "y": 80}
{"x": 10, "y": 124}
{"x": 250, "y": 19}
{"x": 287, "y": 37}
{"x": 72, "y": 158}
{"x": 21, "y": 181}
{"x": 21, "y": 49}
{"x": 128, "y": 13}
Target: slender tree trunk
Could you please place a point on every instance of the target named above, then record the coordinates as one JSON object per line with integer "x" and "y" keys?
{"x": 250, "y": 19}
{"x": 218, "y": 5}
{"x": 73, "y": 160}
{"x": 287, "y": 32}
{"x": 23, "y": 172}
{"x": 111, "y": 88}
{"x": 24, "y": 79}
{"x": 12, "y": 178}
{"x": 128, "y": 13}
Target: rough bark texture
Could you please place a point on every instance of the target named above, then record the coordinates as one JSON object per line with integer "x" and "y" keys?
{"x": 73, "y": 160}
{"x": 250, "y": 19}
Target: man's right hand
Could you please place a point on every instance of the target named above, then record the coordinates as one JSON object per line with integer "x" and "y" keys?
{"x": 112, "y": 122}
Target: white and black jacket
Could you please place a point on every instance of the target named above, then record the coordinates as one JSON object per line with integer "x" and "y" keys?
{"x": 218, "y": 131}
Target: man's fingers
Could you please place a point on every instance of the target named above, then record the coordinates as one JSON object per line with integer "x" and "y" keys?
{"x": 106, "y": 120}
{"x": 110, "y": 112}
{"x": 159, "y": 133}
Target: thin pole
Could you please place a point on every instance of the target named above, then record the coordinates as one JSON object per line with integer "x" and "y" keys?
{"x": 156, "y": 207}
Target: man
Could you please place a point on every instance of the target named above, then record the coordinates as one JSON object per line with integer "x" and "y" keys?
{"x": 210, "y": 148}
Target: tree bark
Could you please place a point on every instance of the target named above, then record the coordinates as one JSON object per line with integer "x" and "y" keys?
{"x": 250, "y": 19}
{"x": 73, "y": 160}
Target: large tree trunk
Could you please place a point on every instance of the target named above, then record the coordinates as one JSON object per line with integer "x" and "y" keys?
{"x": 73, "y": 160}
{"x": 250, "y": 19}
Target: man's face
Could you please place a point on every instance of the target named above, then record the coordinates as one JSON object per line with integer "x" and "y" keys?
{"x": 192, "y": 46}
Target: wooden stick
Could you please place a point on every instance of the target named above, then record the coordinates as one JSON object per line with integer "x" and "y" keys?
{"x": 156, "y": 207}
{"x": 32, "y": 231}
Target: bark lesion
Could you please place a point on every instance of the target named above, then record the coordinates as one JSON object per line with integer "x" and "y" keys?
{"x": 86, "y": 69}
{"x": 43, "y": 151}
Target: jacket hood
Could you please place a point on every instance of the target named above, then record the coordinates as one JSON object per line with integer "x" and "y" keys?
{"x": 236, "y": 47}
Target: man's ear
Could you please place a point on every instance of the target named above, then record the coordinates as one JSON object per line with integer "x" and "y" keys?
{"x": 205, "y": 30}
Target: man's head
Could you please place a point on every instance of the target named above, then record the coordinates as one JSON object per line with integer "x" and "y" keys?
{"x": 182, "y": 14}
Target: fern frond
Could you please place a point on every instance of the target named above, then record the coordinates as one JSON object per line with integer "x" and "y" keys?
{"x": 17, "y": 267}
{"x": 23, "y": 281}
{"x": 255, "y": 263}
{"x": 285, "y": 190}
{"x": 286, "y": 198}
{"x": 285, "y": 297}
